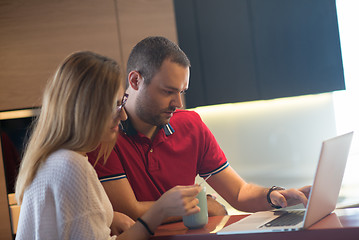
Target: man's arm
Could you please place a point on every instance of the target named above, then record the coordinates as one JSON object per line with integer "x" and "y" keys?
{"x": 250, "y": 197}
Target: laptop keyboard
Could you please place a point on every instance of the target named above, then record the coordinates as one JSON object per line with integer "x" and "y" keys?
{"x": 286, "y": 219}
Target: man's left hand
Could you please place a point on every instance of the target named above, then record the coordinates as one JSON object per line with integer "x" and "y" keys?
{"x": 290, "y": 197}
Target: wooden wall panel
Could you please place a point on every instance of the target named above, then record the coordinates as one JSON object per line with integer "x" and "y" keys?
{"x": 142, "y": 18}
{"x": 36, "y": 35}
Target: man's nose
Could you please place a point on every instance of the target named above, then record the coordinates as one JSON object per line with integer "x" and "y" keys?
{"x": 177, "y": 101}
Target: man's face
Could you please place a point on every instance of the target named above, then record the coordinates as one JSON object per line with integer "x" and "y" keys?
{"x": 157, "y": 101}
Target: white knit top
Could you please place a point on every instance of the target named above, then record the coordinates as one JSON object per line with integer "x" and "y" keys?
{"x": 65, "y": 201}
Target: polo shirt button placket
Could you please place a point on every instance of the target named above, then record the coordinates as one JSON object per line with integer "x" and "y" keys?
{"x": 152, "y": 161}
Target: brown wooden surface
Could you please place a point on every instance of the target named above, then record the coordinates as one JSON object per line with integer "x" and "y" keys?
{"x": 142, "y": 18}
{"x": 342, "y": 224}
{"x": 36, "y": 35}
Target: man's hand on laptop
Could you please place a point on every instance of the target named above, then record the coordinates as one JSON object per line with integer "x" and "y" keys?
{"x": 290, "y": 197}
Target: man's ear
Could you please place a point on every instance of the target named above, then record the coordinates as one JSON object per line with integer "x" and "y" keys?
{"x": 134, "y": 79}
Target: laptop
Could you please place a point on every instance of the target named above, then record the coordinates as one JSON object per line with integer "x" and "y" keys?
{"x": 321, "y": 202}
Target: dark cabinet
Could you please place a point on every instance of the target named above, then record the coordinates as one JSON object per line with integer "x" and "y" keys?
{"x": 244, "y": 50}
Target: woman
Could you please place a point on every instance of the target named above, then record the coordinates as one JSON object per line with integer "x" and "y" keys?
{"x": 58, "y": 189}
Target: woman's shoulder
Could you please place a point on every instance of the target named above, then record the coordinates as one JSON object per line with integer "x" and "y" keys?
{"x": 65, "y": 156}
{"x": 64, "y": 153}
{"x": 67, "y": 163}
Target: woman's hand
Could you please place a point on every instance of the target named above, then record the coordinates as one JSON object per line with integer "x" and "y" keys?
{"x": 120, "y": 223}
{"x": 179, "y": 201}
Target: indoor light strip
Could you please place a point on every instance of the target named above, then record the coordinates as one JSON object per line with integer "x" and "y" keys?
{"x": 19, "y": 114}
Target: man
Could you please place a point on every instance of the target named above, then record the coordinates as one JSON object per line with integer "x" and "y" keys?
{"x": 161, "y": 147}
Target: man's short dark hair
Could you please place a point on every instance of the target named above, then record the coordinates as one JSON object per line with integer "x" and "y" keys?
{"x": 148, "y": 55}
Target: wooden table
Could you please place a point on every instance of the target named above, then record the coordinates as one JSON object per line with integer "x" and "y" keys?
{"x": 341, "y": 224}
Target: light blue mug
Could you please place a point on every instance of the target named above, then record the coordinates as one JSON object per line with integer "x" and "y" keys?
{"x": 200, "y": 219}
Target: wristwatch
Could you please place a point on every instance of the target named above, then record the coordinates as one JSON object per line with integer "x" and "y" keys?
{"x": 273, "y": 188}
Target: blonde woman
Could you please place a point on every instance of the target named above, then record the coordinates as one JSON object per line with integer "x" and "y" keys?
{"x": 58, "y": 189}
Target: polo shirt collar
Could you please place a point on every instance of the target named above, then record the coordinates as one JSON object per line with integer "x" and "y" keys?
{"x": 127, "y": 127}
{"x": 168, "y": 129}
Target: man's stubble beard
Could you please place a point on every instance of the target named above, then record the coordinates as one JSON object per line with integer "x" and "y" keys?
{"x": 145, "y": 112}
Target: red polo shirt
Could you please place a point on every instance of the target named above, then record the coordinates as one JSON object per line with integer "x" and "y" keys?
{"x": 179, "y": 151}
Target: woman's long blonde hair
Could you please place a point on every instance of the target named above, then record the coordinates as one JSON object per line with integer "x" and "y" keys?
{"x": 77, "y": 106}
